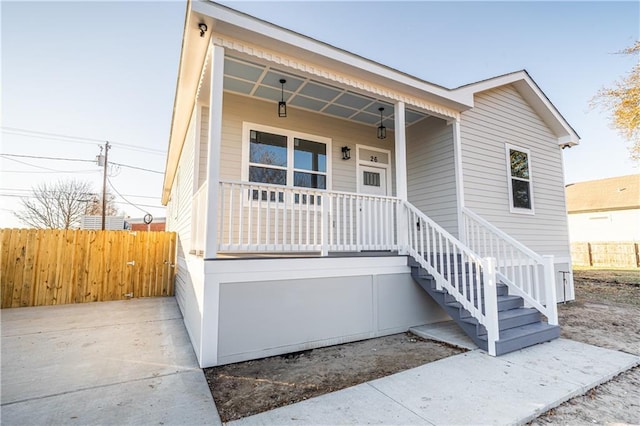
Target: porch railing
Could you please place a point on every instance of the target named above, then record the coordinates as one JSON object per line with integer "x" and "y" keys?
{"x": 455, "y": 268}
{"x": 527, "y": 274}
{"x": 268, "y": 218}
{"x": 257, "y": 217}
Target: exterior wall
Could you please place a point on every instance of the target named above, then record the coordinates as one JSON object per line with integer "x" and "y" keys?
{"x": 238, "y": 109}
{"x": 179, "y": 221}
{"x": 298, "y": 304}
{"x": 431, "y": 171}
{"x": 620, "y": 225}
{"x": 502, "y": 116}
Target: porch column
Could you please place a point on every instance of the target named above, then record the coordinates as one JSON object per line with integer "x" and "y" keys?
{"x": 457, "y": 156}
{"x": 216, "y": 63}
{"x": 401, "y": 174}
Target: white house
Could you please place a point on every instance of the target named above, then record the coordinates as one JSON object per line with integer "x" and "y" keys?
{"x": 605, "y": 209}
{"x": 322, "y": 198}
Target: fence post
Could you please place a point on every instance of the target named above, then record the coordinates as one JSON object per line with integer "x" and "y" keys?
{"x": 550, "y": 290}
{"x": 325, "y": 225}
{"x": 490, "y": 293}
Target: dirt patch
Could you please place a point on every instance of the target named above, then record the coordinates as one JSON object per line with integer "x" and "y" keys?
{"x": 606, "y": 313}
{"x": 251, "y": 387}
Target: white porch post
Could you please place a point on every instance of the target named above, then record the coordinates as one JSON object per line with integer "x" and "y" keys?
{"x": 457, "y": 156}
{"x": 213, "y": 162}
{"x": 401, "y": 175}
{"x": 550, "y": 289}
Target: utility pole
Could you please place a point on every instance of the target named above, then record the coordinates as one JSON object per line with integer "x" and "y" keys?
{"x": 104, "y": 183}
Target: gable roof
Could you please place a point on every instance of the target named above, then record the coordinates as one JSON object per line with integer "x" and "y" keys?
{"x": 248, "y": 32}
{"x": 617, "y": 193}
{"x": 534, "y": 96}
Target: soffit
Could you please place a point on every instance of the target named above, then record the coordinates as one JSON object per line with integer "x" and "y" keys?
{"x": 261, "y": 81}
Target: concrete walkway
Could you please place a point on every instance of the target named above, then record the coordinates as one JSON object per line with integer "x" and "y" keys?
{"x": 126, "y": 362}
{"x": 467, "y": 389}
{"x": 131, "y": 362}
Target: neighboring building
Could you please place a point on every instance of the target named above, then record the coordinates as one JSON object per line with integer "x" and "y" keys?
{"x": 137, "y": 224}
{"x": 604, "y": 209}
{"x": 317, "y": 195}
{"x": 112, "y": 223}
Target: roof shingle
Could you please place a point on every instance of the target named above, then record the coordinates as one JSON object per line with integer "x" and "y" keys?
{"x": 617, "y": 193}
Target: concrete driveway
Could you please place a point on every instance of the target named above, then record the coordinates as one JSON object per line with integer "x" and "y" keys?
{"x": 127, "y": 362}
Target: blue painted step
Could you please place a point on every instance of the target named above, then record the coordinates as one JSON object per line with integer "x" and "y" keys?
{"x": 519, "y": 327}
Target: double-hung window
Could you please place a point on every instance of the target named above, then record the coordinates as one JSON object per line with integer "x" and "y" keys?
{"x": 287, "y": 158}
{"x": 520, "y": 181}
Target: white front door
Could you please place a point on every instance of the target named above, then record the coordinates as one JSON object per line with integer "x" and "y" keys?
{"x": 371, "y": 232}
{"x": 373, "y": 180}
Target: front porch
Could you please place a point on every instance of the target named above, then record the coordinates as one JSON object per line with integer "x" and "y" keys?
{"x": 279, "y": 203}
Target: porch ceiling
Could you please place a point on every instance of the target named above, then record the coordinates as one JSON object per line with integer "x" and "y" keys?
{"x": 262, "y": 82}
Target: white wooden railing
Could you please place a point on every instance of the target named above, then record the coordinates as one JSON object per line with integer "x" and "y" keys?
{"x": 257, "y": 217}
{"x": 527, "y": 274}
{"x": 440, "y": 254}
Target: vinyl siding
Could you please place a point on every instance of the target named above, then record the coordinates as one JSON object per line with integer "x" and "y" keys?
{"x": 239, "y": 109}
{"x": 179, "y": 218}
{"x": 431, "y": 171}
{"x": 502, "y": 116}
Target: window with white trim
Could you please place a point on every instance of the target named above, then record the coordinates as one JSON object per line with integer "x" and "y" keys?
{"x": 520, "y": 180}
{"x": 287, "y": 159}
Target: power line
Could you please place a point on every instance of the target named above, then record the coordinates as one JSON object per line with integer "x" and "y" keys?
{"x": 72, "y": 159}
{"x": 53, "y": 171}
{"x": 46, "y": 158}
{"x": 33, "y": 165}
{"x": 137, "y": 168}
{"x": 69, "y": 138}
{"x": 128, "y": 202}
{"x": 32, "y": 191}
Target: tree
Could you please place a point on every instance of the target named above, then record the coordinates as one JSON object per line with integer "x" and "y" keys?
{"x": 623, "y": 101}
{"x": 61, "y": 205}
{"x": 94, "y": 207}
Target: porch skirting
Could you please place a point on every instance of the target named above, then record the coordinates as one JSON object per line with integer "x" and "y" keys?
{"x": 254, "y": 308}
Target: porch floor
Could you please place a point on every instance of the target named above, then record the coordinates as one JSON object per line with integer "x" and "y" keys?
{"x": 450, "y": 391}
{"x": 294, "y": 255}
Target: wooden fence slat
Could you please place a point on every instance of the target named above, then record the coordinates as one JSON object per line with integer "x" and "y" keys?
{"x": 5, "y": 266}
{"x": 605, "y": 254}
{"x": 48, "y": 267}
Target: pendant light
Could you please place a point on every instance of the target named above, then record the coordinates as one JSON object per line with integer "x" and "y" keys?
{"x": 282, "y": 105}
{"x": 382, "y": 131}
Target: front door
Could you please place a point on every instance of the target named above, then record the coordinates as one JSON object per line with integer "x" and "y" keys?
{"x": 373, "y": 180}
{"x": 374, "y": 224}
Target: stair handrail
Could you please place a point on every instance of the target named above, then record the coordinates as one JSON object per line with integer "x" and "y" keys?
{"x": 526, "y": 273}
{"x": 437, "y": 251}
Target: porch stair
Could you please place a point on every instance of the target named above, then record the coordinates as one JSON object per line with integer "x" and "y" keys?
{"x": 519, "y": 327}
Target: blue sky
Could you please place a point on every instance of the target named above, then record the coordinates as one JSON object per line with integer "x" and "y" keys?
{"x": 107, "y": 71}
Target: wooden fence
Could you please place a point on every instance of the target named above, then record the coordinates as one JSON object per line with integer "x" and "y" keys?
{"x": 606, "y": 254}
{"x": 54, "y": 267}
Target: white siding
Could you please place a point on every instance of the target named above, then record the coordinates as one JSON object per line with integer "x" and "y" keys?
{"x": 620, "y": 225}
{"x": 238, "y": 109}
{"x": 179, "y": 218}
{"x": 502, "y": 116}
{"x": 431, "y": 171}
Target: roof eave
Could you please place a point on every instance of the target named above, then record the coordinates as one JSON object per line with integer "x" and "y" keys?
{"x": 248, "y": 28}
{"x": 527, "y": 87}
